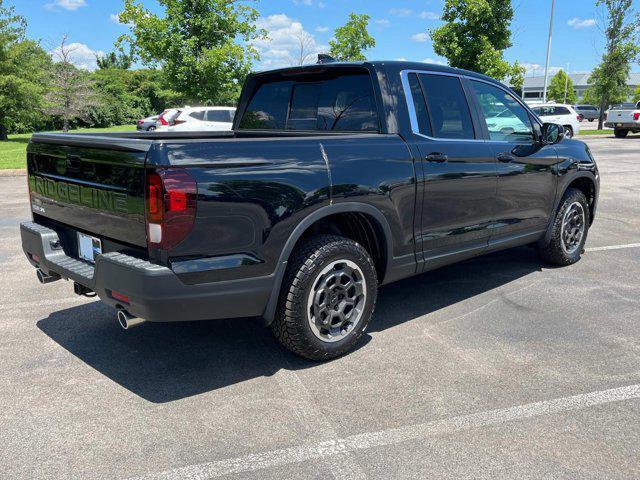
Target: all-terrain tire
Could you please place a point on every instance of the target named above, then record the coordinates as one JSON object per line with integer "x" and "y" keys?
{"x": 292, "y": 325}
{"x": 554, "y": 251}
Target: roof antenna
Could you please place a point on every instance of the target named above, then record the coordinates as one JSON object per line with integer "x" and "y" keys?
{"x": 325, "y": 58}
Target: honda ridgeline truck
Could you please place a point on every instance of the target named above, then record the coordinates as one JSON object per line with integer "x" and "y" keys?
{"x": 336, "y": 178}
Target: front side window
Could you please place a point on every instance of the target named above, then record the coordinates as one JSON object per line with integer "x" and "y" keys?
{"x": 447, "y": 106}
{"x": 331, "y": 102}
{"x": 506, "y": 119}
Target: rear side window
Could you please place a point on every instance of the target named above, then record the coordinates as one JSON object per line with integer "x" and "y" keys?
{"x": 198, "y": 115}
{"x": 448, "y": 108}
{"x": 561, "y": 111}
{"x": 218, "y": 116}
{"x": 419, "y": 105}
{"x": 340, "y": 103}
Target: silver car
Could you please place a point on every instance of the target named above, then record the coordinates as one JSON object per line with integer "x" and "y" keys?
{"x": 147, "y": 124}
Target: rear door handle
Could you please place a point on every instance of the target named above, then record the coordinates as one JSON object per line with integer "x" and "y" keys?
{"x": 506, "y": 157}
{"x": 436, "y": 157}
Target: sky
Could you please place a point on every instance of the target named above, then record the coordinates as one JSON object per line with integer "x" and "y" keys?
{"x": 399, "y": 26}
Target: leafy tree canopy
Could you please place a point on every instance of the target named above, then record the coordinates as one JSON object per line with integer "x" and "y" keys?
{"x": 556, "y": 90}
{"x": 120, "y": 61}
{"x": 609, "y": 79}
{"x": 196, "y": 44}
{"x": 352, "y": 39}
{"x": 23, "y": 73}
{"x": 474, "y": 36}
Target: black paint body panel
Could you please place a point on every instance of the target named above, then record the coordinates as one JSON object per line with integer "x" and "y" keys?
{"x": 258, "y": 191}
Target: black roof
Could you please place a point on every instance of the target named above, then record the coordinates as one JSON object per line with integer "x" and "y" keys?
{"x": 397, "y": 64}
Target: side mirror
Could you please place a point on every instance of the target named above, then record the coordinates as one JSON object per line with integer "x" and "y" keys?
{"x": 552, "y": 133}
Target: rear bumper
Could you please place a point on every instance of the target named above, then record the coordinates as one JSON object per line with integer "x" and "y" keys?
{"x": 625, "y": 125}
{"x": 155, "y": 292}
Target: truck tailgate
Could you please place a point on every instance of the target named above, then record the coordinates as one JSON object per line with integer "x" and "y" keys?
{"x": 94, "y": 184}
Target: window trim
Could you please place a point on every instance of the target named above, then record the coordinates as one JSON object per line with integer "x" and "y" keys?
{"x": 471, "y": 101}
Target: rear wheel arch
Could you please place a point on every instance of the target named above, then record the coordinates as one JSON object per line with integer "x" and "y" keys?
{"x": 357, "y": 221}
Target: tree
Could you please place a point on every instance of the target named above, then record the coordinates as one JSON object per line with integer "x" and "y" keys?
{"x": 474, "y": 36}
{"x": 303, "y": 53}
{"x": 203, "y": 46}
{"x": 517, "y": 77}
{"x": 636, "y": 94}
{"x": 23, "y": 67}
{"x": 556, "y": 91}
{"x": 352, "y": 39}
{"x": 71, "y": 95}
{"x": 121, "y": 61}
{"x": 609, "y": 79}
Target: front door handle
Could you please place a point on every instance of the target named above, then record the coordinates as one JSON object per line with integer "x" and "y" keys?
{"x": 506, "y": 157}
{"x": 436, "y": 157}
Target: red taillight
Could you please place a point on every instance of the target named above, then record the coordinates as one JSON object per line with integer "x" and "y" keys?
{"x": 119, "y": 296}
{"x": 636, "y": 115}
{"x": 140, "y": 122}
{"x": 579, "y": 118}
{"x": 171, "y": 207}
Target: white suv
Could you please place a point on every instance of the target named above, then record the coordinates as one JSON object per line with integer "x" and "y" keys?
{"x": 199, "y": 119}
{"x": 561, "y": 114}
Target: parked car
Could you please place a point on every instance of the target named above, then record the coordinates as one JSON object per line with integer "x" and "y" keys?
{"x": 561, "y": 114}
{"x": 624, "y": 118}
{"x": 147, "y": 124}
{"x": 200, "y": 119}
{"x": 335, "y": 179}
{"x": 588, "y": 112}
{"x": 167, "y": 117}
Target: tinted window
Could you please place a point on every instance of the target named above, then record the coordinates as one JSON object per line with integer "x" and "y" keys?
{"x": 218, "y": 116}
{"x": 199, "y": 115}
{"x": 347, "y": 104}
{"x": 268, "y": 107}
{"x": 419, "y": 105}
{"x": 447, "y": 105}
{"x": 340, "y": 103}
{"x": 506, "y": 119}
{"x": 303, "y": 114}
{"x": 562, "y": 111}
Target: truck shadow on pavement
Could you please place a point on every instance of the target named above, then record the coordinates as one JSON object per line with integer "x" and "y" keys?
{"x": 166, "y": 362}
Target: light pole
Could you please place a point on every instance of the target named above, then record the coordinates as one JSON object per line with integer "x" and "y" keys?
{"x": 566, "y": 83}
{"x": 546, "y": 67}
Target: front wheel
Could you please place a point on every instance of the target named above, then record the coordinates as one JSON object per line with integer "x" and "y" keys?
{"x": 620, "y": 133}
{"x": 569, "y": 230}
{"x": 327, "y": 298}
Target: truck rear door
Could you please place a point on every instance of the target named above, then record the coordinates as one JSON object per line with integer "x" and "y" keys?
{"x": 93, "y": 185}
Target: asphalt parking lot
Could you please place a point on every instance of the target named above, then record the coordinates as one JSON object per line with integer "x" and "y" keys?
{"x": 497, "y": 368}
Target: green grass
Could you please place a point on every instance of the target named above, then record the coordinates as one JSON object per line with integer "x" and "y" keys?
{"x": 608, "y": 131}
{"x": 13, "y": 153}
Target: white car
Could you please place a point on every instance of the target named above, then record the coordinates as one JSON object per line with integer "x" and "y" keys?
{"x": 561, "y": 114}
{"x": 199, "y": 119}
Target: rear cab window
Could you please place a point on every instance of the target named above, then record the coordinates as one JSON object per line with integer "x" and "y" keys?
{"x": 340, "y": 100}
{"x": 447, "y": 107}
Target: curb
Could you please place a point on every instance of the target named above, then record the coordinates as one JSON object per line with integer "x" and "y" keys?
{"x": 13, "y": 172}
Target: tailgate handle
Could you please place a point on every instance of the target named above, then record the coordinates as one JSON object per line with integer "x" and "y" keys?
{"x": 73, "y": 163}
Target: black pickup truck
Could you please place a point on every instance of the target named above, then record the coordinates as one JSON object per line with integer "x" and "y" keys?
{"x": 337, "y": 178}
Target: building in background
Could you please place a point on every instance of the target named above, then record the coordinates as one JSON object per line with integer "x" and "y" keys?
{"x": 533, "y": 86}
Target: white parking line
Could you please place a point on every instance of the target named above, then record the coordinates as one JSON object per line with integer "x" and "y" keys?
{"x": 363, "y": 441}
{"x": 613, "y": 247}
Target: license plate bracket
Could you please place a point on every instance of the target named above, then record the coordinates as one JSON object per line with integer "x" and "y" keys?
{"x": 89, "y": 247}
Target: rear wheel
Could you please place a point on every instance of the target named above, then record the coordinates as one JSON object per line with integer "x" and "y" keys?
{"x": 151, "y": 128}
{"x": 569, "y": 230}
{"x": 619, "y": 133}
{"x": 568, "y": 131}
{"x": 327, "y": 298}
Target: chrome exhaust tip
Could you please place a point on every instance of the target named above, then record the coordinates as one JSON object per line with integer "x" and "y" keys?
{"x": 44, "y": 278}
{"x": 127, "y": 321}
